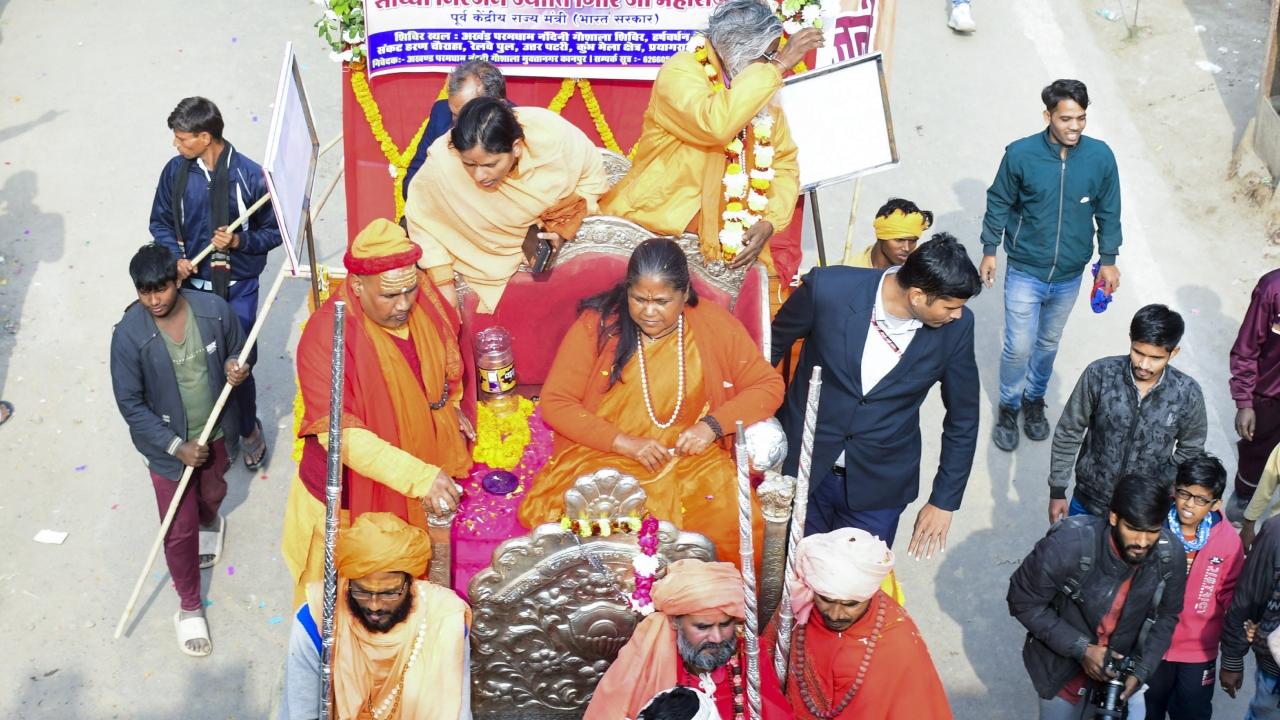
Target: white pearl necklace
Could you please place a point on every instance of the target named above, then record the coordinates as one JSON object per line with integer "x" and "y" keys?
{"x": 385, "y": 707}
{"x": 644, "y": 377}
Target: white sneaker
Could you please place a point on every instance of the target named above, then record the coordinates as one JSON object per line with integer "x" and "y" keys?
{"x": 962, "y": 19}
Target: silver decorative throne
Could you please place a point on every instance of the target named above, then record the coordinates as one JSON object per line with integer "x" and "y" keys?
{"x": 551, "y": 612}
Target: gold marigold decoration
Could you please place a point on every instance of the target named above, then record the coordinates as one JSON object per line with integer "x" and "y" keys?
{"x": 398, "y": 159}
{"x": 501, "y": 441}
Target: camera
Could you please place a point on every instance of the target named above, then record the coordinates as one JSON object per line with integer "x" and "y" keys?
{"x": 1106, "y": 697}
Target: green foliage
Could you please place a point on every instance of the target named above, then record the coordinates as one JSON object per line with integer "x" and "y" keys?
{"x": 342, "y": 29}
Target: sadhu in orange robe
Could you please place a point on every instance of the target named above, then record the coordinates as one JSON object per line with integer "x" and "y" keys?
{"x": 726, "y": 377}
{"x": 901, "y": 682}
{"x": 393, "y": 441}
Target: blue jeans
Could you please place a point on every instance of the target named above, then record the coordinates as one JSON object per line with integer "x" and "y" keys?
{"x": 1075, "y": 508}
{"x": 1035, "y": 312}
{"x": 1265, "y": 703}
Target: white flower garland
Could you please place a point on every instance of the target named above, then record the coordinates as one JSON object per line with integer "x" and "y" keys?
{"x": 745, "y": 191}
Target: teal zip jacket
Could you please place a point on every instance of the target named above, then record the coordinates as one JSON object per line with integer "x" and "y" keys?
{"x": 1045, "y": 208}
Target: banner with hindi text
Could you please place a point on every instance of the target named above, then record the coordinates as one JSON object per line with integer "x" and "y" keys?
{"x": 619, "y": 39}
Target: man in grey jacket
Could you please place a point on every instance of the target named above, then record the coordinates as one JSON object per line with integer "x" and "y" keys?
{"x": 1127, "y": 414}
{"x": 171, "y": 353}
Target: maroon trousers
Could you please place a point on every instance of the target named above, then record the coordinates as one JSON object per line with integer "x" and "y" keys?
{"x": 1254, "y": 453}
{"x": 199, "y": 505}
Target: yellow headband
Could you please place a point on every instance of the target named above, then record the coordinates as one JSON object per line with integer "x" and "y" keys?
{"x": 899, "y": 225}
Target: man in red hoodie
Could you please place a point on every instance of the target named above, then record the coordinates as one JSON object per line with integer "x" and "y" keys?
{"x": 1182, "y": 685}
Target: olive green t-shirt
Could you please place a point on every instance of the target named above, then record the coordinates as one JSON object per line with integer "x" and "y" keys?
{"x": 192, "y": 370}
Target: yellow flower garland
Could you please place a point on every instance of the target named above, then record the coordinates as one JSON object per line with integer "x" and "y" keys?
{"x": 501, "y": 441}
{"x": 399, "y": 159}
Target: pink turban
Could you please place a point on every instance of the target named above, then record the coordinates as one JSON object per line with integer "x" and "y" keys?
{"x": 845, "y": 564}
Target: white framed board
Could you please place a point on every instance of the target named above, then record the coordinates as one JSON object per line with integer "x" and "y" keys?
{"x": 839, "y": 117}
{"x": 292, "y": 149}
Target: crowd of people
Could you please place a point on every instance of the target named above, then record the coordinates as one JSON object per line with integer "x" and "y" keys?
{"x": 1141, "y": 583}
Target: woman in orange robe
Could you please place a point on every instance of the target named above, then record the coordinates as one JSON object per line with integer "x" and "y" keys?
{"x": 650, "y": 382}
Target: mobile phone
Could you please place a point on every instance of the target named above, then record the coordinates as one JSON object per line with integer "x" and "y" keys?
{"x": 536, "y": 249}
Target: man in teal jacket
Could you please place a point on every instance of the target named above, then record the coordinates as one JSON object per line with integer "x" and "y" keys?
{"x": 1053, "y": 192}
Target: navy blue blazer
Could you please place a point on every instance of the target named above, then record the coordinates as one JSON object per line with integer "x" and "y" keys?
{"x": 878, "y": 431}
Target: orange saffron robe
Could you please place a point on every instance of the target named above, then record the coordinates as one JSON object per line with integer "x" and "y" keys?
{"x": 901, "y": 682}
{"x": 383, "y": 396}
{"x": 676, "y": 178}
{"x": 725, "y": 376}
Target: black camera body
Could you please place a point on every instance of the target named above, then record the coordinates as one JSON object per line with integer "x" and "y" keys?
{"x": 1106, "y": 697}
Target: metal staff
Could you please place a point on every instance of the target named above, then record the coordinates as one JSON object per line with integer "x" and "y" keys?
{"x": 244, "y": 217}
{"x": 748, "y": 555}
{"x": 332, "y": 492}
{"x": 209, "y": 427}
{"x": 786, "y": 618}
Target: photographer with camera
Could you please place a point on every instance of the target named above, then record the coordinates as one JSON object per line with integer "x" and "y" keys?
{"x": 1100, "y": 598}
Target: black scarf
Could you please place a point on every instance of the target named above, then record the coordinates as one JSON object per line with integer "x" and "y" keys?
{"x": 220, "y": 216}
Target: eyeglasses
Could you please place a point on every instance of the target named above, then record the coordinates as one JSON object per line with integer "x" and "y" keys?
{"x": 360, "y": 593}
{"x": 1199, "y": 500}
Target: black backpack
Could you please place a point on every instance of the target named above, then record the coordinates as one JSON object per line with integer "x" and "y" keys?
{"x": 1073, "y": 585}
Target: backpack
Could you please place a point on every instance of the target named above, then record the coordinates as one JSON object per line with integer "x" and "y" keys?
{"x": 1073, "y": 585}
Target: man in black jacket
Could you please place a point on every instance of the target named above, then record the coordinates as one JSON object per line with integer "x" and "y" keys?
{"x": 884, "y": 338}
{"x": 171, "y": 353}
{"x": 1256, "y": 601}
{"x": 1132, "y": 413}
{"x": 1095, "y": 588}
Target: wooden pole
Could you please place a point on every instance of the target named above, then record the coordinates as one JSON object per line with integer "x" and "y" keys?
{"x": 786, "y": 617}
{"x": 745, "y": 547}
{"x": 209, "y": 427}
{"x": 332, "y": 494}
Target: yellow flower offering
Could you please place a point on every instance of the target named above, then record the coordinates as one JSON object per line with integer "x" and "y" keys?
{"x": 501, "y": 441}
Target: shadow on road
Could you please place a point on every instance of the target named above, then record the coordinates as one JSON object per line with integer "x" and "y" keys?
{"x": 28, "y": 237}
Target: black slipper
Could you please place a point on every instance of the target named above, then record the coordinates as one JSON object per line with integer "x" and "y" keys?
{"x": 250, "y": 450}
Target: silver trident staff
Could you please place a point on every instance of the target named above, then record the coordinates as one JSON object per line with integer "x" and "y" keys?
{"x": 332, "y": 494}
{"x": 786, "y": 619}
{"x": 748, "y": 554}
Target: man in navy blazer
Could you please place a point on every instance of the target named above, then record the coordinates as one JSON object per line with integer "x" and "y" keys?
{"x": 883, "y": 339}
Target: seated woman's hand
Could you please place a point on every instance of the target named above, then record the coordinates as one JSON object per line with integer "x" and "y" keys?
{"x": 695, "y": 439}
{"x": 649, "y": 453}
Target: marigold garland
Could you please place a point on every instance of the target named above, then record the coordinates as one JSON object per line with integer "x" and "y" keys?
{"x": 501, "y": 441}
{"x": 399, "y": 159}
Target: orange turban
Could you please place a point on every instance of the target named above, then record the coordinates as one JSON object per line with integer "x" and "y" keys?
{"x": 381, "y": 542}
{"x": 381, "y": 246}
{"x": 649, "y": 662}
{"x": 844, "y": 564}
{"x": 898, "y": 225}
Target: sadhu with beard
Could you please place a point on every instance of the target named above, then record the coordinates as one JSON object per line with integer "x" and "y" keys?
{"x": 399, "y": 644}
{"x": 1087, "y": 590}
{"x": 855, "y": 652}
{"x": 692, "y": 641}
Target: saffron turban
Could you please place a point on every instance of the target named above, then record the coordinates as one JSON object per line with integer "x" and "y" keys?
{"x": 381, "y": 542}
{"x": 649, "y": 662}
{"x": 898, "y": 225}
{"x": 381, "y": 246}
{"x": 694, "y": 587}
{"x": 845, "y": 564}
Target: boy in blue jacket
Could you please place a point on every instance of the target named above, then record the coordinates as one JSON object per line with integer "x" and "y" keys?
{"x": 1053, "y": 193}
